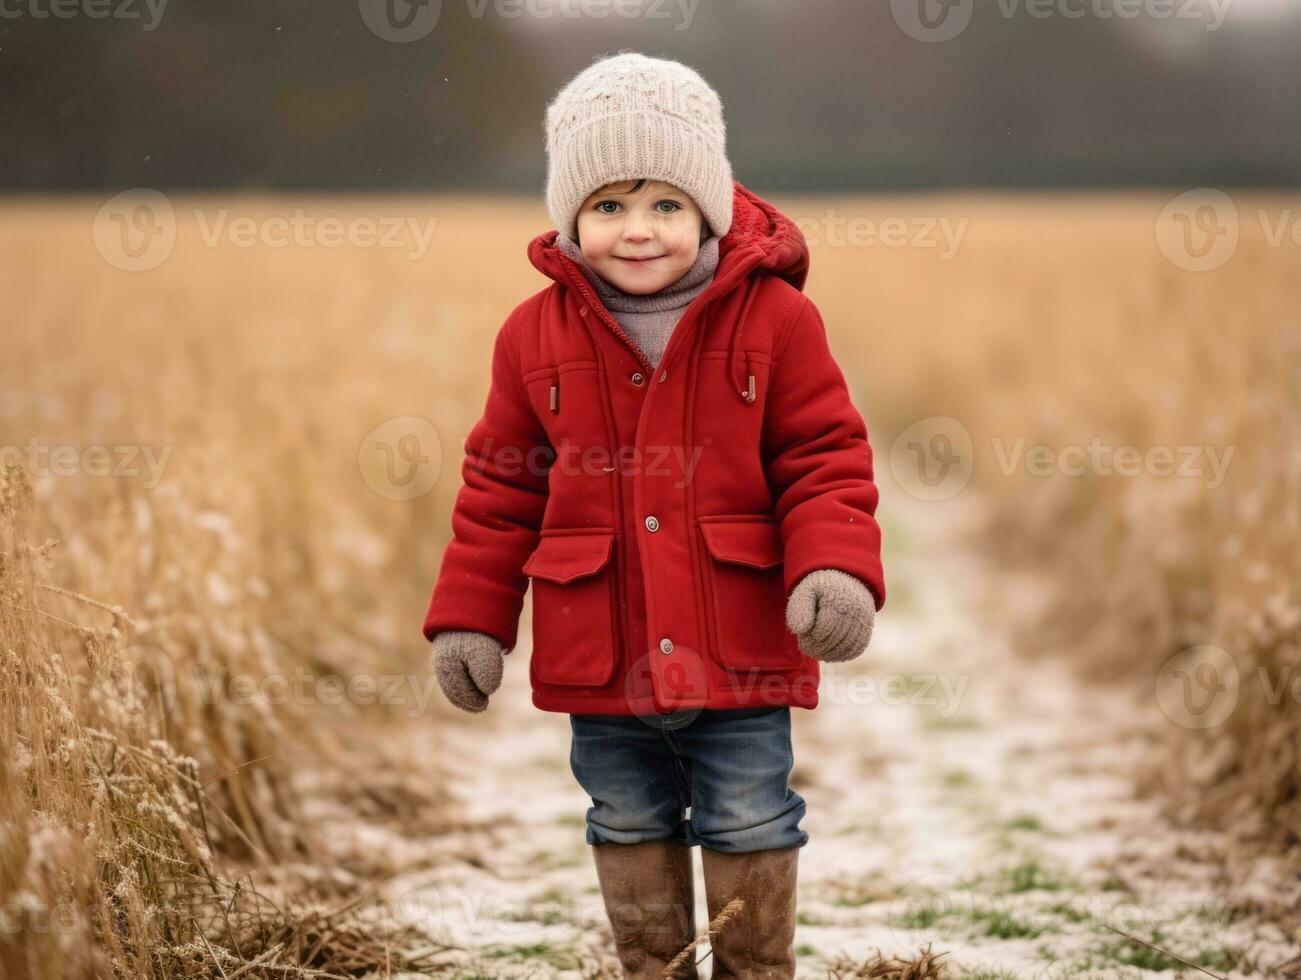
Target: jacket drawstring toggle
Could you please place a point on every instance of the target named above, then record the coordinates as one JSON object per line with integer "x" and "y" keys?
{"x": 748, "y": 394}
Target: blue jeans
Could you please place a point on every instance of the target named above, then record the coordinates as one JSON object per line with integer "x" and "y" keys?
{"x": 729, "y": 766}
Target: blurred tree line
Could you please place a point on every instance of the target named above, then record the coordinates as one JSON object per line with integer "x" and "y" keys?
{"x": 818, "y": 94}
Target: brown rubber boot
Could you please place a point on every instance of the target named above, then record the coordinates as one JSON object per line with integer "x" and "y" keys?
{"x": 649, "y": 899}
{"x": 759, "y": 941}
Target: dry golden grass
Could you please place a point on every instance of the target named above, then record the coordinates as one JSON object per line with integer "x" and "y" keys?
{"x": 925, "y": 966}
{"x": 1061, "y": 321}
{"x": 263, "y": 549}
{"x": 167, "y": 822}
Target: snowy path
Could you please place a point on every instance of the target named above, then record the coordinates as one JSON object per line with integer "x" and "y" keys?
{"x": 955, "y": 794}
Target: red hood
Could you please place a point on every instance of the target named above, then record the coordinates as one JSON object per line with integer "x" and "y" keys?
{"x": 760, "y": 236}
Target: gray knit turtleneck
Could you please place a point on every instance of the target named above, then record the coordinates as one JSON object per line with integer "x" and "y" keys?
{"x": 649, "y": 318}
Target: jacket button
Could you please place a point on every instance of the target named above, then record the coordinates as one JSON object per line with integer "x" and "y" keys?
{"x": 666, "y": 645}
{"x": 638, "y": 378}
{"x": 652, "y": 523}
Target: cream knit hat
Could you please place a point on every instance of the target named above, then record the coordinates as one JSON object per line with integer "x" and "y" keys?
{"x": 628, "y": 116}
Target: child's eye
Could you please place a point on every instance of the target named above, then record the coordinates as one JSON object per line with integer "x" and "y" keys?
{"x": 614, "y": 206}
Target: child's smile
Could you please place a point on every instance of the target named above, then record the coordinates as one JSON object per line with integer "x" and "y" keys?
{"x": 640, "y": 235}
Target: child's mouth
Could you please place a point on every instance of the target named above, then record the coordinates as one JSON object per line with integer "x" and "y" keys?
{"x": 649, "y": 258}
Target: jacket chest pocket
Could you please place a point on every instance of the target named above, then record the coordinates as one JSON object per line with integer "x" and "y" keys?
{"x": 573, "y": 599}
{"x": 568, "y": 401}
{"x": 747, "y": 596}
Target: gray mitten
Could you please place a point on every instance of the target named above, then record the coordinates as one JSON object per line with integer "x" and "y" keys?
{"x": 468, "y": 666}
{"x": 831, "y": 614}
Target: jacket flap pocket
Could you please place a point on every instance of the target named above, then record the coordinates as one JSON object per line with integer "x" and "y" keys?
{"x": 754, "y": 543}
{"x": 561, "y": 558}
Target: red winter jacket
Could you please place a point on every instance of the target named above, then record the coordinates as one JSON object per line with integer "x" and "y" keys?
{"x": 663, "y": 514}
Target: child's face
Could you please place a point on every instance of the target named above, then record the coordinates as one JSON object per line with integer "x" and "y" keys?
{"x": 640, "y": 240}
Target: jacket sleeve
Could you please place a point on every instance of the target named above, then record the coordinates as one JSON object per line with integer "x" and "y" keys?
{"x": 818, "y": 461}
{"x": 498, "y": 511}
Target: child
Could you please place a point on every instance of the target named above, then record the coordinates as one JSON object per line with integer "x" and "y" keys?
{"x": 668, "y": 451}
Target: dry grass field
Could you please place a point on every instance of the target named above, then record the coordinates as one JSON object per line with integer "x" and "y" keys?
{"x": 230, "y": 459}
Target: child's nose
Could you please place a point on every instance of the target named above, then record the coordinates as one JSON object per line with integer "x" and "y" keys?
{"x": 636, "y": 228}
